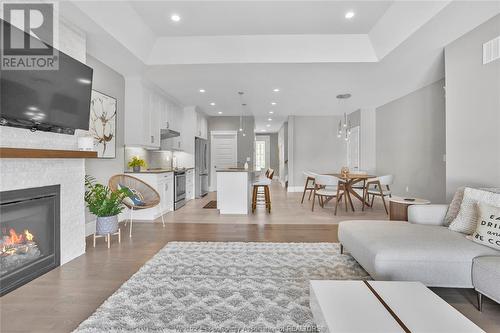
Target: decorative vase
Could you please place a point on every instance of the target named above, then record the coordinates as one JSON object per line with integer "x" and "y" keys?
{"x": 344, "y": 171}
{"x": 106, "y": 225}
{"x": 137, "y": 168}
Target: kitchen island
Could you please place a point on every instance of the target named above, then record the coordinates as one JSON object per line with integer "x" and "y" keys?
{"x": 234, "y": 190}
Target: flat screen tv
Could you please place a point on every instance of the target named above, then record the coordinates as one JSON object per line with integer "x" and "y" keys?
{"x": 47, "y": 100}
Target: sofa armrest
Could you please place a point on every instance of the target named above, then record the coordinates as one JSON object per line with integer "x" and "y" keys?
{"x": 427, "y": 214}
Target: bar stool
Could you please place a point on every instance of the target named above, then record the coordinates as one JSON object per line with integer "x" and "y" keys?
{"x": 264, "y": 184}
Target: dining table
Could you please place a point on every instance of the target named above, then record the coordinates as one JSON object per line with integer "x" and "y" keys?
{"x": 351, "y": 179}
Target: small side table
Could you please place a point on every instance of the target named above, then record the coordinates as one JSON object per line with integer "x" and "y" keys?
{"x": 398, "y": 207}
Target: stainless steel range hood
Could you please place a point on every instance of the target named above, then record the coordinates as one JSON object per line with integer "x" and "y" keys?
{"x": 168, "y": 133}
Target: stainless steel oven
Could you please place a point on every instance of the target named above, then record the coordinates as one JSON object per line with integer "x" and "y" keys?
{"x": 179, "y": 189}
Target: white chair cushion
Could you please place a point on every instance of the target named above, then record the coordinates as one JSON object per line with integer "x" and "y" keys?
{"x": 467, "y": 217}
{"x": 327, "y": 192}
{"x": 263, "y": 182}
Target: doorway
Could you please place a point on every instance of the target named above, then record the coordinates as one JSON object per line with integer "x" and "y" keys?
{"x": 262, "y": 152}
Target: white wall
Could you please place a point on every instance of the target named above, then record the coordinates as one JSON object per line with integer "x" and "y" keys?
{"x": 313, "y": 145}
{"x": 410, "y": 143}
{"x": 283, "y": 152}
{"x": 472, "y": 111}
{"x": 26, "y": 173}
{"x": 368, "y": 138}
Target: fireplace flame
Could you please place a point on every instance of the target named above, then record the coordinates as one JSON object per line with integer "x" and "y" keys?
{"x": 16, "y": 238}
{"x": 28, "y": 235}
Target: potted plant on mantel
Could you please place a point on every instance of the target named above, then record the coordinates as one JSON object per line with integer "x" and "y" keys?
{"x": 105, "y": 204}
{"x": 136, "y": 163}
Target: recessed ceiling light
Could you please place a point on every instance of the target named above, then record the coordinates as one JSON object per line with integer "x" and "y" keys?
{"x": 268, "y": 125}
{"x": 220, "y": 112}
{"x": 269, "y": 119}
{"x": 349, "y": 15}
{"x": 202, "y": 90}
{"x": 276, "y": 90}
{"x": 273, "y": 103}
{"x": 175, "y": 17}
{"x": 271, "y": 112}
{"x": 213, "y": 104}
{"x": 262, "y": 130}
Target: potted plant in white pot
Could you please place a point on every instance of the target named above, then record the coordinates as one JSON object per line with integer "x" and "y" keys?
{"x": 105, "y": 204}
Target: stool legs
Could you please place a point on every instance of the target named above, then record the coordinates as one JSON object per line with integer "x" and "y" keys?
{"x": 267, "y": 196}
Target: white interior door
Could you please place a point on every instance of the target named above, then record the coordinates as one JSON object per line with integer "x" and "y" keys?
{"x": 223, "y": 153}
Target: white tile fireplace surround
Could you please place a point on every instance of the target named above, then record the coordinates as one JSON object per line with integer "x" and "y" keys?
{"x": 21, "y": 173}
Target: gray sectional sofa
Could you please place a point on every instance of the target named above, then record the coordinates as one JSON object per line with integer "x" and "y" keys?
{"x": 423, "y": 250}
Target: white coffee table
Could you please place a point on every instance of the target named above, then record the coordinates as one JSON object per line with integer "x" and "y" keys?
{"x": 351, "y": 307}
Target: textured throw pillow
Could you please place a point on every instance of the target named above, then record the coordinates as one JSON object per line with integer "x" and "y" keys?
{"x": 488, "y": 227}
{"x": 134, "y": 197}
{"x": 454, "y": 207}
{"x": 467, "y": 216}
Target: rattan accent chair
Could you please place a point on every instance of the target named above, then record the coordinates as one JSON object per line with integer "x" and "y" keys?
{"x": 149, "y": 195}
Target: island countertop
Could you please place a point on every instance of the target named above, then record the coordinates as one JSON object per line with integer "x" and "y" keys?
{"x": 249, "y": 170}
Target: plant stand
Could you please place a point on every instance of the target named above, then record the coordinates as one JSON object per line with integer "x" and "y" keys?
{"x": 107, "y": 237}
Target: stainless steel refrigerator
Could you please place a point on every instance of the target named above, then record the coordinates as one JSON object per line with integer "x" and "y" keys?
{"x": 201, "y": 167}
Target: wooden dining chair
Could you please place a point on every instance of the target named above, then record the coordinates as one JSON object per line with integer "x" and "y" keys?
{"x": 150, "y": 196}
{"x": 380, "y": 187}
{"x": 326, "y": 187}
{"x": 309, "y": 185}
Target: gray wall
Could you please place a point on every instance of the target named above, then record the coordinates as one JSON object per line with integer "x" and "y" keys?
{"x": 313, "y": 145}
{"x": 410, "y": 143}
{"x": 110, "y": 83}
{"x": 273, "y": 153}
{"x": 472, "y": 111}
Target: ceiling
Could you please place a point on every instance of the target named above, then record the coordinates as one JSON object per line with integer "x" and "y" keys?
{"x": 224, "y": 18}
{"x": 306, "y": 49}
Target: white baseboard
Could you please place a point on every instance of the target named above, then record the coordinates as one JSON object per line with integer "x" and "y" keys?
{"x": 295, "y": 188}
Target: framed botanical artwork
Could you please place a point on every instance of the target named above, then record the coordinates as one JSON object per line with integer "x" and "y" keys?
{"x": 103, "y": 124}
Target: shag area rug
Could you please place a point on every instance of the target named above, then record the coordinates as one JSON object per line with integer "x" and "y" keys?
{"x": 223, "y": 287}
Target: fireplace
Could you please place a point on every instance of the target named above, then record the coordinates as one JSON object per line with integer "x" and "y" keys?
{"x": 29, "y": 243}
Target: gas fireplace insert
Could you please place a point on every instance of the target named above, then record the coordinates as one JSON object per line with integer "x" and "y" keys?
{"x": 29, "y": 243}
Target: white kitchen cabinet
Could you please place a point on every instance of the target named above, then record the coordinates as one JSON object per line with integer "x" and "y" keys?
{"x": 190, "y": 184}
{"x": 163, "y": 183}
{"x": 142, "y": 114}
{"x": 175, "y": 117}
{"x": 201, "y": 125}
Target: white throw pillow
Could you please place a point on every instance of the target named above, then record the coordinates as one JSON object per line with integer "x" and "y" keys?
{"x": 488, "y": 226}
{"x": 467, "y": 217}
{"x": 454, "y": 207}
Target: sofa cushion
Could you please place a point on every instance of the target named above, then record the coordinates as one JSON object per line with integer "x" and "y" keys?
{"x": 454, "y": 207}
{"x": 485, "y": 276}
{"x": 467, "y": 217}
{"x": 488, "y": 227}
{"x": 401, "y": 251}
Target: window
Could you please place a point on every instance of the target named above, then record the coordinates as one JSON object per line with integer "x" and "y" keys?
{"x": 260, "y": 155}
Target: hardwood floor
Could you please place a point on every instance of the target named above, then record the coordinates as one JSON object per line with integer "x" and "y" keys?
{"x": 286, "y": 209}
{"x": 59, "y": 300}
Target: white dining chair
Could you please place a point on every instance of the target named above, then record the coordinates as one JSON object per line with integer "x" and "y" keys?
{"x": 326, "y": 186}
{"x": 379, "y": 186}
